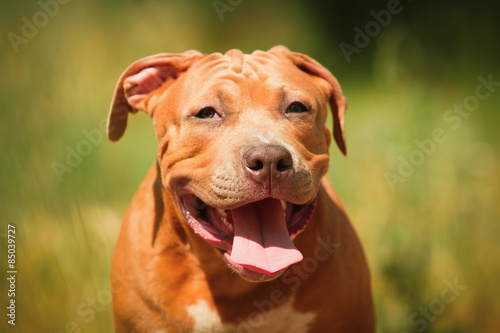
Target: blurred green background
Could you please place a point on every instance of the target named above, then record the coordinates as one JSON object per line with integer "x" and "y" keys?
{"x": 434, "y": 226}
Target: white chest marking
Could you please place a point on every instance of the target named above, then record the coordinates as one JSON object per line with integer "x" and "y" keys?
{"x": 281, "y": 319}
{"x": 205, "y": 320}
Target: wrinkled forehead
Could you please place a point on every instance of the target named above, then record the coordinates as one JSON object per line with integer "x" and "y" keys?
{"x": 259, "y": 65}
{"x": 259, "y": 70}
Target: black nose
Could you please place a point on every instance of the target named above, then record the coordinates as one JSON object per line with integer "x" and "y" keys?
{"x": 267, "y": 164}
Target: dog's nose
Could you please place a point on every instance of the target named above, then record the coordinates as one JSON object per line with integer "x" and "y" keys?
{"x": 267, "y": 164}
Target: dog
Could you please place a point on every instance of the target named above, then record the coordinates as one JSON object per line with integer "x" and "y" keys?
{"x": 235, "y": 228}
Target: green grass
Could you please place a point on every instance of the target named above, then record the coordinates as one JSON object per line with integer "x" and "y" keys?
{"x": 441, "y": 223}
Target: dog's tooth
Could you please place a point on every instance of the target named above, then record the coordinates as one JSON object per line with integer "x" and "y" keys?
{"x": 283, "y": 204}
{"x": 222, "y": 212}
{"x": 226, "y": 223}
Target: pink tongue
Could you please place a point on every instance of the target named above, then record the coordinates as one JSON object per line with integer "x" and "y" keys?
{"x": 261, "y": 241}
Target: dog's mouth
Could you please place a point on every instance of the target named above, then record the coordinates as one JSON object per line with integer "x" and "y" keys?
{"x": 256, "y": 236}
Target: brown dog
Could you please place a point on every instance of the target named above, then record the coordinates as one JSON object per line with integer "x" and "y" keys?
{"x": 235, "y": 228}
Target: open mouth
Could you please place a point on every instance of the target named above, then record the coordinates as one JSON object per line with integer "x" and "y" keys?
{"x": 256, "y": 236}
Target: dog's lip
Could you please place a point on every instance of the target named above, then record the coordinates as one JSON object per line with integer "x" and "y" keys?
{"x": 215, "y": 225}
{"x": 207, "y": 221}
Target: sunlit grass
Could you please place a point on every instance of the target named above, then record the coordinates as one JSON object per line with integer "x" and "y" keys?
{"x": 439, "y": 224}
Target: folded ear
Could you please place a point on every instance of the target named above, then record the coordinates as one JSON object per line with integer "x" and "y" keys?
{"x": 338, "y": 103}
{"x": 138, "y": 81}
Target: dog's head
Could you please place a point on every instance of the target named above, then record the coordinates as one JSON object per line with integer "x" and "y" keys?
{"x": 243, "y": 145}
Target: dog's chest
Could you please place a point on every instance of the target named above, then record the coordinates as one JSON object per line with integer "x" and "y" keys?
{"x": 270, "y": 319}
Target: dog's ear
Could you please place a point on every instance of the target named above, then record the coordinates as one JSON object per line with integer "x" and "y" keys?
{"x": 138, "y": 81}
{"x": 338, "y": 103}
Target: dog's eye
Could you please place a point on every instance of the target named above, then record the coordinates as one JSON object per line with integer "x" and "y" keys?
{"x": 207, "y": 112}
{"x": 297, "y": 107}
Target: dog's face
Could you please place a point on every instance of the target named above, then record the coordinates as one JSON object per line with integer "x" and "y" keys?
{"x": 242, "y": 146}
